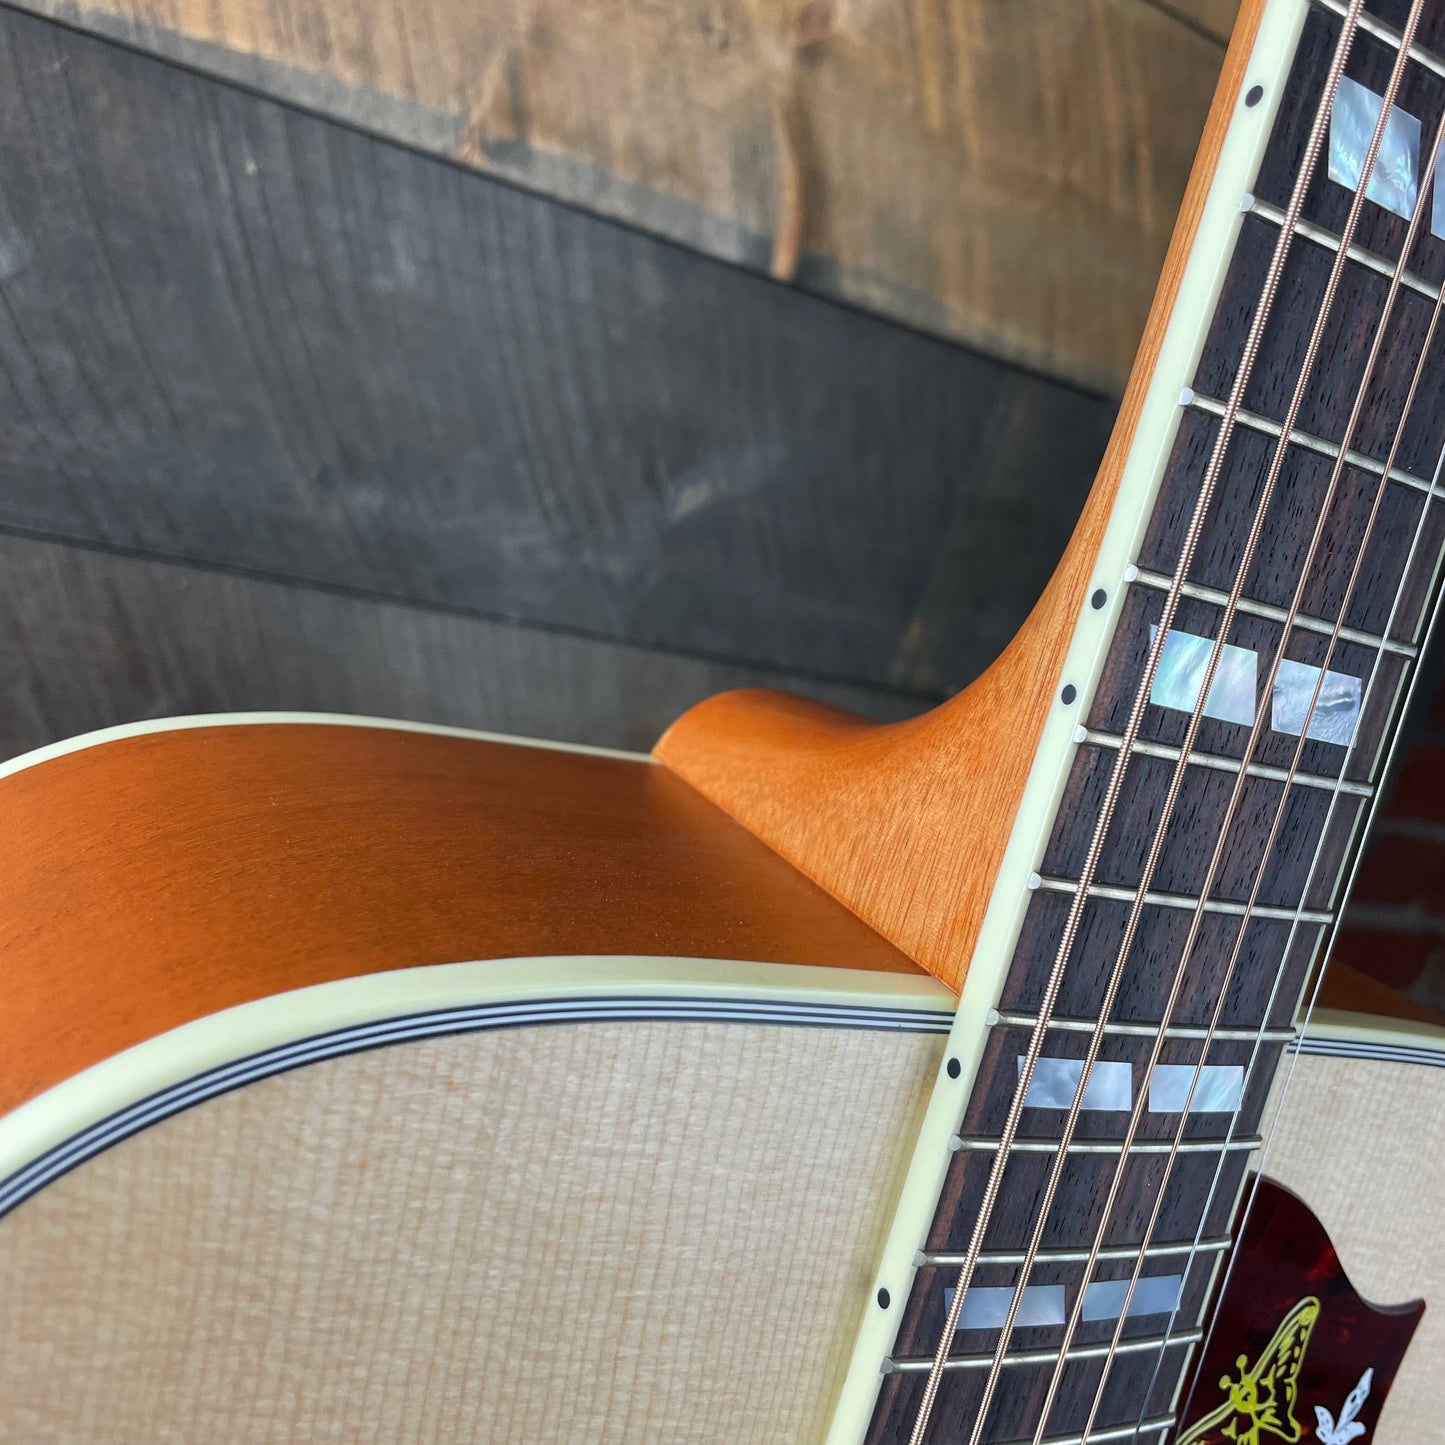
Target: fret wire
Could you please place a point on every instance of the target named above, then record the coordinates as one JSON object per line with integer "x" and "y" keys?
{"x": 1373, "y": 25}
{"x": 1185, "y": 900}
{"x": 1014, "y": 1019}
{"x": 917, "y": 1365}
{"x": 1223, "y": 764}
{"x": 1253, "y": 206}
{"x": 943, "y": 1259}
{"x": 1274, "y": 614}
{"x": 1306, "y": 369}
{"x": 1201, "y": 401}
{"x": 973, "y": 1144}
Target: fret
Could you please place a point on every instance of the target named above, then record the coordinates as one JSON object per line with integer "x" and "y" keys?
{"x": 1271, "y": 948}
{"x": 1421, "y": 95}
{"x": 1394, "y": 566}
{"x": 1227, "y": 765}
{"x": 1252, "y": 205}
{"x": 1248, "y": 605}
{"x": 1150, "y": 1030}
{"x": 1140, "y": 1385}
{"x": 1230, "y": 1095}
{"x": 1375, "y": 678}
{"x": 1189, "y": 902}
{"x": 1167, "y": 1304}
{"x": 1045, "y": 1257}
{"x": 1289, "y": 878}
{"x": 1251, "y": 421}
{"x": 1175, "y": 1295}
{"x": 1078, "y": 1206}
{"x": 1046, "y": 1357}
{"x": 1358, "y": 310}
{"x": 975, "y": 1145}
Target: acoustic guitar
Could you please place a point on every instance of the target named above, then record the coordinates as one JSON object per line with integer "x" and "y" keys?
{"x": 811, "y": 1080}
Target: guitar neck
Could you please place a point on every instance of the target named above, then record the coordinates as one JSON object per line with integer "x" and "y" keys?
{"x": 1210, "y": 692}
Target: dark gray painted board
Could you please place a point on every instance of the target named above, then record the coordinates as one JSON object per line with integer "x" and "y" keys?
{"x": 88, "y": 640}
{"x": 237, "y": 333}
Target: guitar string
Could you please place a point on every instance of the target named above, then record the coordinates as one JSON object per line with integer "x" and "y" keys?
{"x": 1281, "y": 809}
{"x": 1269, "y": 1135}
{"x": 1243, "y": 374}
{"x": 1429, "y": 618}
{"x": 1240, "y": 787}
{"x": 1069, "y": 934}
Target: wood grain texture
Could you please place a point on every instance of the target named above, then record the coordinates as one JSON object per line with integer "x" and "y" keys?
{"x": 89, "y": 640}
{"x": 907, "y": 823}
{"x": 225, "y": 864}
{"x": 986, "y": 171}
{"x": 233, "y": 333}
{"x": 1356, "y": 1141}
{"x": 603, "y": 1232}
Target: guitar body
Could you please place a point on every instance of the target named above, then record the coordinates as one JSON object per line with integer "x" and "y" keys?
{"x": 524, "y": 1186}
{"x": 382, "y": 1186}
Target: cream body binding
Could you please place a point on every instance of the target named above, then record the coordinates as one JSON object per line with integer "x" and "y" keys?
{"x": 582, "y": 1227}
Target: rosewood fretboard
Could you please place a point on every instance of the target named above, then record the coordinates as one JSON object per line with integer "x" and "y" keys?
{"x": 1303, "y": 872}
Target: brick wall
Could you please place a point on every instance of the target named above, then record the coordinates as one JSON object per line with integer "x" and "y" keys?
{"x": 1394, "y": 927}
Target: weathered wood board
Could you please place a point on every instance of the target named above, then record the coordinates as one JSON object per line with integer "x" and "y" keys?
{"x": 88, "y": 640}
{"x": 238, "y": 334}
{"x": 1002, "y": 173}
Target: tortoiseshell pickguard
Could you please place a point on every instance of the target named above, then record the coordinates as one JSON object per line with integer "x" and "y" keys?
{"x": 1294, "y": 1352}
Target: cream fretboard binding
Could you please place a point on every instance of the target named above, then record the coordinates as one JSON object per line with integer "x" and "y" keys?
{"x": 1279, "y": 586}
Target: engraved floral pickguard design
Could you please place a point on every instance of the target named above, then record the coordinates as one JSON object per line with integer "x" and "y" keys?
{"x": 1262, "y": 1400}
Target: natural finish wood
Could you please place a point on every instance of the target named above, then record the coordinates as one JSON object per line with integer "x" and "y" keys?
{"x": 600, "y": 1232}
{"x": 1356, "y": 1140}
{"x": 907, "y": 823}
{"x": 239, "y": 335}
{"x": 89, "y": 640}
{"x": 225, "y": 864}
{"x": 987, "y": 171}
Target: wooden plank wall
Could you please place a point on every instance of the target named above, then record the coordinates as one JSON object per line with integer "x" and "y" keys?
{"x": 297, "y": 412}
{"x": 1003, "y": 172}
